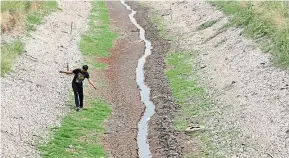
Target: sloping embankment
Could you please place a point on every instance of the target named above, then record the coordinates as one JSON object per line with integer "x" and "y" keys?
{"x": 34, "y": 95}
{"x": 249, "y": 114}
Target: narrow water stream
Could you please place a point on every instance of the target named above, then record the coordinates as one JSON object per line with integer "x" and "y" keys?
{"x": 143, "y": 146}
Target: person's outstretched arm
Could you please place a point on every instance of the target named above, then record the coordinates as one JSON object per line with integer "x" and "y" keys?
{"x": 91, "y": 83}
{"x": 66, "y": 72}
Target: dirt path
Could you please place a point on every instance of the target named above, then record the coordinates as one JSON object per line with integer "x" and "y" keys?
{"x": 35, "y": 95}
{"x": 250, "y": 97}
{"x": 122, "y": 91}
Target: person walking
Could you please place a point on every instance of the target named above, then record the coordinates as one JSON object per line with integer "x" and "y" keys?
{"x": 77, "y": 84}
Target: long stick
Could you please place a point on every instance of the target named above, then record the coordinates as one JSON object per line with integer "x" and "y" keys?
{"x": 171, "y": 11}
{"x": 20, "y": 132}
{"x": 71, "y": 27}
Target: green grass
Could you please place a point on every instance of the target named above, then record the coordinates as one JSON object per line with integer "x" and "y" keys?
{"x": 186, "y": 92}
{"x": 31, "y": 17}
{"x": 193, "y": 100}
{"x": 9, "y": 52}
{"x": 206, "y": 24}
{"x": 99, "y": 38}
{"x": 100, "y": 65}
{"x": 35, "y": 18}
{"x": 79, "y": 134}
{"x": 158, "y": 20}
{"x": 266, "y": 22}
{"x": 14, "y": 6}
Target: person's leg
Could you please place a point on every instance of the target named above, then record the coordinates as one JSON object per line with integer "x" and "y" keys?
{"x": 75, "y": 90}
{"x": 80, "y": 92}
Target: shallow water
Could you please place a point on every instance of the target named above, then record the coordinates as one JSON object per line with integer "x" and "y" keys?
{"x": 144, "y": 151}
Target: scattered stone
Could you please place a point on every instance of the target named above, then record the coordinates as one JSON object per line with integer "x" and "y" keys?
{"x": 135, "y": 30}
{"x": 166, "y": 13}
{"x": 193, "y": 129}
{"x": 19, "y": 93}
{"x": 203, "y": 66}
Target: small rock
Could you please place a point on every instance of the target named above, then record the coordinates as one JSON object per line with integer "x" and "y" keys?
{"x": 203, "y": 66}
{"x": 193, "y": 129}
{"x": 166, "y": 14}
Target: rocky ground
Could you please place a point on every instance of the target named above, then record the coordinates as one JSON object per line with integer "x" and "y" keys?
{"x": 121, "y": 90}
{"x": 249, "y": 113}
{"x": 249, "y": 117}
{"x": 122, "y": 93}
{"x": 162, "y": 137}
{"x": 34, "y": 95}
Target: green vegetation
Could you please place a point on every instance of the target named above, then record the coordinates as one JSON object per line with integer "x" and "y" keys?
{"x": 206, "y": 25}
{"x": 191, "y": 97}
{"x": 19, "y": 14}
{"x": 79, "y": 134}
{"x": 193, "y": 100}
{"x": 97, "y": 41}
{"x": 99, "y": 65}
{"x": 24, "y": 13}
{"x": 265, "y": 21}
{"x": 8, "y": 54}
{"x": 99, "y": 38}
{"x": 158, "y": 20}
{"x": 35, "y": 17}
{"x": 80, "y": 131}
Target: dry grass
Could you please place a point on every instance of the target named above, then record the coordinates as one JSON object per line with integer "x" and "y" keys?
{"x": 12, "y": 20}
{"x": 265, "y": 21}
{"x": 275, "y": 12}
{"x": 15, "y": 15}
{"x": 9, "y": 52}
{"x": 16, "y": 18}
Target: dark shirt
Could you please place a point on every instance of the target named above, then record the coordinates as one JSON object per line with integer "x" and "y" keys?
{"x": 79, "y": 76}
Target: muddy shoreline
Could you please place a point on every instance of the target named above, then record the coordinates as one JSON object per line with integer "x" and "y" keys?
{"x": 163, "y": 139}
{"x": 121, "y": 89}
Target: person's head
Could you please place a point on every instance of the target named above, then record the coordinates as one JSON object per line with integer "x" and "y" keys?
{"x": 84, "y": 68}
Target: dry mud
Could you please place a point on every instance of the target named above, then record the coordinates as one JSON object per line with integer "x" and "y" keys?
{"x": 163, "y": 139}
{"x": 123, "y": 94}
{"x": 249, "y": 114}
{"x": 34, "y": 95}
{"x": 121, "y": 89}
